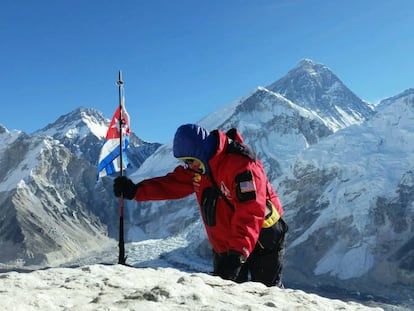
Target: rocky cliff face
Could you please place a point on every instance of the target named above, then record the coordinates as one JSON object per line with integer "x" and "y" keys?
{"x": 45, "y": 217}
{"x": 52, "y": 208}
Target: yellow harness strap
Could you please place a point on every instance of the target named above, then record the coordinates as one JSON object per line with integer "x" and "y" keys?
{"x": 272, "y": 215}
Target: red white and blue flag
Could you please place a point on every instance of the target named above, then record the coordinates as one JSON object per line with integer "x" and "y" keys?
{"x": 110, "y": 157}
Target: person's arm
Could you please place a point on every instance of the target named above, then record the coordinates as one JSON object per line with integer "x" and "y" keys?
{"x": 174, "y": 185}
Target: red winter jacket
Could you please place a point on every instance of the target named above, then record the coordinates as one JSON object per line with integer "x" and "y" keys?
{"x": 236, "y": 230}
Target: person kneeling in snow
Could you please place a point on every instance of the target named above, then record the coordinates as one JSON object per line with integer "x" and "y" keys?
{"x": 241, "y": 212}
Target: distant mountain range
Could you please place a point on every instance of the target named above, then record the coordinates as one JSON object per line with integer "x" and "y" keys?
{"x": 342, "y": 167}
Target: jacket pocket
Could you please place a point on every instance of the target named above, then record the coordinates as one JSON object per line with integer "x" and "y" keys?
{"x": 209, "y": 205}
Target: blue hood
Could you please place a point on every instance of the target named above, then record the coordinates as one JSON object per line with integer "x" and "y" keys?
{"x": 192, "y": 140}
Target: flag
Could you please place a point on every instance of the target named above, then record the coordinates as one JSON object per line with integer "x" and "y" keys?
{"x": 110, "y": 157}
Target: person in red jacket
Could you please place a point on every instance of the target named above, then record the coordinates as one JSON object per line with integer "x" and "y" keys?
{"x": 241, "y": 212}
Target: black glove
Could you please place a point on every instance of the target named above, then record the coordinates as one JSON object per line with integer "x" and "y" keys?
{"x": 123, "y": 184}
{"x": 229, "y": 265}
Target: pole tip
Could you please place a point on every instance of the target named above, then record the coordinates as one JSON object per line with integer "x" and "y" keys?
{"x": 120, "y": 82}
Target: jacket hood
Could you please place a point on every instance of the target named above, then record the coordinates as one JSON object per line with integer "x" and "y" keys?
{"x": 194, "y": 141}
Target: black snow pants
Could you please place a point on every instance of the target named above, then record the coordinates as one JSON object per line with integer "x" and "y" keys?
{"x": 265, "y": 263}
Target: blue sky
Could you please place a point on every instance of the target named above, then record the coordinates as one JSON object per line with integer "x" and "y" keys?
{"x": 183, "y": 59}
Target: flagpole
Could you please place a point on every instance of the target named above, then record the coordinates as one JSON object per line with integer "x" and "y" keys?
{"x": 121, "y": 257}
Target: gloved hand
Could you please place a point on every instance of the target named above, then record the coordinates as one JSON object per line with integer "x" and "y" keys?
{"x": 123, "y": 184}
{"x": 229, "y": 265}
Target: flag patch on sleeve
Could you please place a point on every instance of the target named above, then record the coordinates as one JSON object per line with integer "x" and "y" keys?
{"x": 246, "y": 188}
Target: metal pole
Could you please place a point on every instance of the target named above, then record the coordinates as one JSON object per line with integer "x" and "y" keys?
{"x": 121, "y": 257}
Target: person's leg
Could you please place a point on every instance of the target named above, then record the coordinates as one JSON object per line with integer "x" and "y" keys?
{"x": 266, "y": 265}
{"x": 243, "y": 273}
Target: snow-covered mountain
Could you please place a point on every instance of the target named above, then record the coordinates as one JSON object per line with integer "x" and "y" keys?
{"x": 342, "y": 170}
{"x": 82, "y": 132}
{"x": 317, "y": 88}
{"x": 42, "y": 218}
{"x": 350, "y": 201}
{"x": 52, "y": 210}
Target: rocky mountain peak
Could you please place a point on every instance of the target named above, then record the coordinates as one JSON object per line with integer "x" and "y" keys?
{"x": 312, "y": 67}
{"x": 77, "y": 124}
{"x": 314, "y": 86}
{"x": 308, "y": 74}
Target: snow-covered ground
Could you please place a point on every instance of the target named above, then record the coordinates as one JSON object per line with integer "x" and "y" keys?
{"x": 118, "y": 287}
{"x": 152, "y": 283}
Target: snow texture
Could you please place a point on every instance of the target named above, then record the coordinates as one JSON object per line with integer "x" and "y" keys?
{"x": 119, "y": 287}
